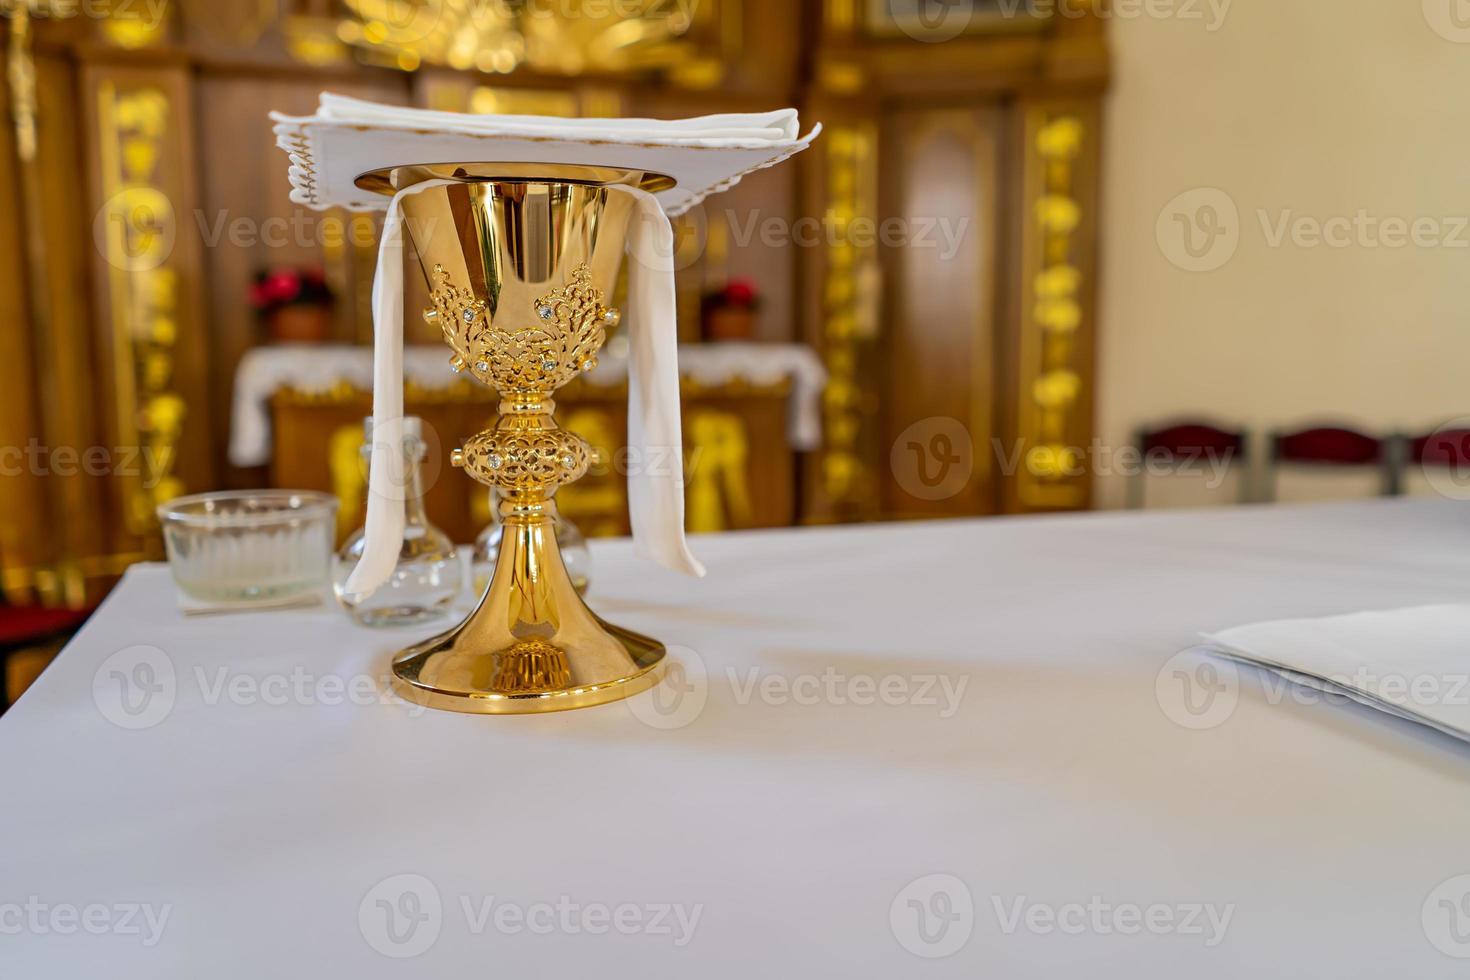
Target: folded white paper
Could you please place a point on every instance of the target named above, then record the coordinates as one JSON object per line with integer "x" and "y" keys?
{"x": 1411, "y": 663}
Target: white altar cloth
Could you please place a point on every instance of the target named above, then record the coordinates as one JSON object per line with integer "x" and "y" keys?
{"x": 972, "y": 722}
{"x": 263, "y": 371}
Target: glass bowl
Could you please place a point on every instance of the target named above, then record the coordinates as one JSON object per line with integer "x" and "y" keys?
{"x": 245, "y": 545}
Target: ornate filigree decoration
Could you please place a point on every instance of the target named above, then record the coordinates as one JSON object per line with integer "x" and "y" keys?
{"x": 568, "y": 326}
{"x": 524, "y": 457}
{"x": 530, "y": 667}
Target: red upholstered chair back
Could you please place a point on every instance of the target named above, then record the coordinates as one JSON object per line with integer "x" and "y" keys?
{"x": 1191, "y": 438}
{"x": 1450, "y": 447}
{"x": 1333, "y": 446}
{"x": 1328, "y": 445}
{"x": 1187, "y": 441}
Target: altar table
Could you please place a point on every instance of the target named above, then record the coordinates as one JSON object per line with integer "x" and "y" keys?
{"x": 959, "y": 749}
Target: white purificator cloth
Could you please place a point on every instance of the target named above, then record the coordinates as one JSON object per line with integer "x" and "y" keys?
{"x": 1411, "y": 663}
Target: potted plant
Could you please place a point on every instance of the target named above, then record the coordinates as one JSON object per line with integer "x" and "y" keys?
{"x": 730, "y": 313}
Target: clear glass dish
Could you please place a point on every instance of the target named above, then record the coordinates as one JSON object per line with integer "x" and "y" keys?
{"x": 246, "y": 545}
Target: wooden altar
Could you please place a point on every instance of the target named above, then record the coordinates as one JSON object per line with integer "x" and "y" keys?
{"x": 729, "y": 485}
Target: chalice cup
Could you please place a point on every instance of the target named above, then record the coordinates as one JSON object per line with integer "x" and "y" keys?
{"x": 521, "y": 261}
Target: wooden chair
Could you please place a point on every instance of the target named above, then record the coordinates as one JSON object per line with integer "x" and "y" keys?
{"x": 1332, "y": 447}
{"x": 1185, "y": 441}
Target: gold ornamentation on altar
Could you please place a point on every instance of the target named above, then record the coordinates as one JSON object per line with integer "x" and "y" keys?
{"x": 573, "y": 38}
{"x": 718, "y": 495}
{"x": 20, "y": 73}
{"x": 518, "y": 268}
{"x": 849, "y": 324}
{"x": 136, "y": 229}
{"x": 1050, "y": 345}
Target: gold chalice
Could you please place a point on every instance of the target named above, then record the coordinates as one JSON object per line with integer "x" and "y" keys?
{"x": 520, "y": 260}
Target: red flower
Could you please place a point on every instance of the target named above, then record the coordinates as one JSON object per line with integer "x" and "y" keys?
{"x": 740, "y": 292}
{"x": 282, "y": 287}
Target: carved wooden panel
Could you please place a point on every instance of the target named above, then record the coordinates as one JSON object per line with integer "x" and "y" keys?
{"x": 941, "y": 198}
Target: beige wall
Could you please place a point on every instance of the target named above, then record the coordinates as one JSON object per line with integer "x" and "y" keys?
{"x": 1299, "y": 108}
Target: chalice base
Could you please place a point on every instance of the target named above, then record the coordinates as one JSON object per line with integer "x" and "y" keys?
{"x": 531, "y": 645}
